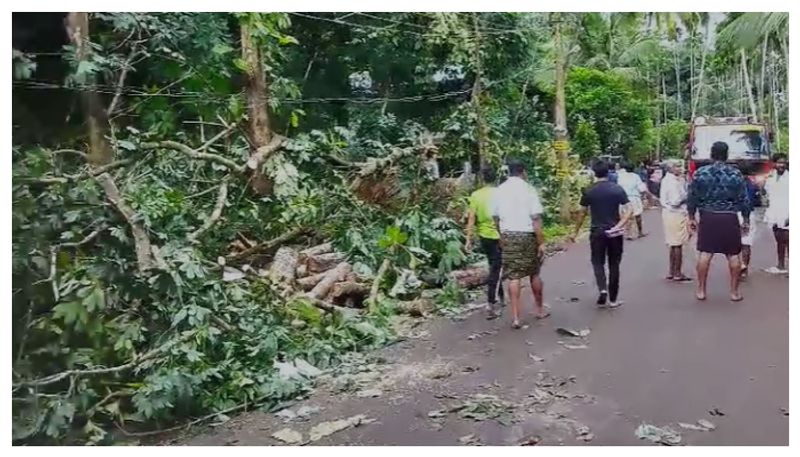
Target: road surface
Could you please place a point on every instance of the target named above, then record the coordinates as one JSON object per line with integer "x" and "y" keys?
{"x": 662, "y": 358}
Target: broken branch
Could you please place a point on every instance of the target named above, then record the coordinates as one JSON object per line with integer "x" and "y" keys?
{"x": 215, "y": 214}
{"x": 142, "y": 245}
{"x": 268, "y": 245}
{"x": 194, "y": 154}
{"x": 262, "y": 154}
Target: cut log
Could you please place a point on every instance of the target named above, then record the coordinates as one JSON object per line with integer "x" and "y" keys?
{"x": 323, "y": 262}
{"x": 348, "y": 293}
{"x": 331, "y": 277}
{"x": 302, "y": 270}
{"x": 284, "y": 266}
{"x": 323, "y": 248}
{"x": 470, "y": 277}
{"x": 309, "y": 282}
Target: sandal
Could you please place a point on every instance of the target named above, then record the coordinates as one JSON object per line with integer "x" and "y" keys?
{"x": 682, "y": 278}
{"x": 516, "y": 325}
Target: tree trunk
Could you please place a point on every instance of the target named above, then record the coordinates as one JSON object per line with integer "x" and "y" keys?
{"x": 698, "y": 91}
{"x": 476, "y": 93}
{"x": 762, "y": 95}
{"x": 747, "y": 86}
{"x": 256, "y": 97}
{"x": 561, "y": 143}
{"x": 678, "y": 85}
{"x": 320, "y": 291}
{"x": 100, "y": 151}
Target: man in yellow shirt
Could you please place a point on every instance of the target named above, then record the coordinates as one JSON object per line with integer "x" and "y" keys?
{"x": 480, "y": 212}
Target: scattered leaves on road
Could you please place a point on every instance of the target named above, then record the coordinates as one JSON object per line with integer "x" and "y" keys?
{"x": 566, "y": 331}
{"x": 478, "y": 335}
{"x": 715, "y": 412}
{"x": 660, "y": 435}
{"x": 470, "y": 440}
{"x": 784, "y": 411}
{"x": 369, "y": 393}
{"x": 708, "y": 425}
{"x": 530, "y": 441}
{"x": 288, "y": 436}
{"x": 535, "y": 358}
{"x": 324, "y": 429}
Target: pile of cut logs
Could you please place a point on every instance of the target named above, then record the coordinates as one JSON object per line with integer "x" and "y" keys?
{"x": 321, "y": 274}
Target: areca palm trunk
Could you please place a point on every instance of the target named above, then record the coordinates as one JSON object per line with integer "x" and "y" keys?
{"x": 697, "y": 98}
{"x": 561, "y": 143}
{"x": 747, "y": 85}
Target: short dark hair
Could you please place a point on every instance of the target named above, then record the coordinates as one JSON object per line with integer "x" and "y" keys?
{"x": 628, "y": 166}
{"x": 719, "y": 151}
{"x": 600, "y": 169}
{"x": 489, "y": 174}
{"x": 515, "y": 168}
{"x": 779, "y": 156}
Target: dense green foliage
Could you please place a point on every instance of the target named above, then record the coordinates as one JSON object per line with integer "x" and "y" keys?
{"x": 102, "y": 344}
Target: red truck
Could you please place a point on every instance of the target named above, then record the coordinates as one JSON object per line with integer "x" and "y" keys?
{"x": 748, "y": 144}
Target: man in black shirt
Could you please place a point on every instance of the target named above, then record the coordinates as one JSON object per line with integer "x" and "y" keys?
{"x": 604, "y": 199}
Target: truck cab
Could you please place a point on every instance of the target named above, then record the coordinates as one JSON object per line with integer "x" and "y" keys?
{"x": 748, "y": 145}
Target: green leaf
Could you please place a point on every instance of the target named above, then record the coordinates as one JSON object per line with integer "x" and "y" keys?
{"x": 221, "y": 48}
{"x": 240, "y": 64}
{"x": 294, "y": 120}
{"x": 287, "y": 39}
{"x": 71, "y": 313}
{"x": 126, "y": 145}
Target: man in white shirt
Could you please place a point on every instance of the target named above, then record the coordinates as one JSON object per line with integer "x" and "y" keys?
{"x": 777, "y": 214}
{"x": 676, "y": 219}
{"x": 517, "y": 210}
{"x": 633, "y": 186}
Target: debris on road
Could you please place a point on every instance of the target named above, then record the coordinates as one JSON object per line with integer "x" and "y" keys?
{"x": 530, "y": 441}
{"x": 369, "y": 393}
{"x": 584, "y": 433}
{"x": 578, "y": 283}
{"x": 716, "y": 412}
{"x": 470, "y": 440}
{"x": 288, "y": 436}
{"x": 535, "y": 358}
{"x": 478, "y": 335}
{"x": 572, "y": 332}
{"x": 324, "y": 429}
{"x": 470, "y": 369}
{"x": 665, "y": 435}
{"x": 576, "y": 346}
{"x": 785, "y": 411}
{"x": 686, "y": 426}
{"x": 708, "y": 425}
{"x": 302, "y": 414}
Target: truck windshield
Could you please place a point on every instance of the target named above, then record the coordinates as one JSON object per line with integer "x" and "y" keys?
{"x": 744, "y": 141}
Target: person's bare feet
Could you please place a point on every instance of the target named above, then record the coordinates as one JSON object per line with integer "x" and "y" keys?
{"x": 700, "y": 295}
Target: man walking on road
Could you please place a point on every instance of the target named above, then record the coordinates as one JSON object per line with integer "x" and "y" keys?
{"x": 604, "y": 200}
{"x": 777, "y": 214}
{"x": 718, "y": 192}
{"x": 480, "y": 211}
{"x": 517, "y": 212}
{"x": 634, "y": 187}
{"x": 676, "y": 219}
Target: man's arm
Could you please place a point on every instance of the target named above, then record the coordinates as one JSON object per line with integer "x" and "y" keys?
{"x": 627, "y": 212}
{"x": 692, "y": 202}
{"x": 469, "y": 229}
{"x": 579, "y": 225}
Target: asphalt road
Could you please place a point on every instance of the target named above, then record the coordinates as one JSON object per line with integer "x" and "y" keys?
{"x": 662, "y": 358}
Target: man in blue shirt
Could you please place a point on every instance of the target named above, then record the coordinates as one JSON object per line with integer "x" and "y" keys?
{"x": 718, "y": 193}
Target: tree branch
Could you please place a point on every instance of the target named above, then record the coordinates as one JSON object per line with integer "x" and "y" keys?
{"x": 228, "y": 129}
{"x": 54, "y": 378}
{"x": 121, "y": 81}
{"x": 194, "y": 154}
{"x": 215, "y": 214}
{"x": 268, "y": 245}
{"x": 262, "y": 154}
{"x": 63, "y": 179}
{"x": 142, "y": 245}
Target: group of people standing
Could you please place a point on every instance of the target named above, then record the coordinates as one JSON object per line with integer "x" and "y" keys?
{"x": 717, "y": 206}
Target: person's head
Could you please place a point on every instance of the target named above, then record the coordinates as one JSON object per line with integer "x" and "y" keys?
{"x": 600, "y": 169}
{"x": 617, "y": 166}
{"x": 719, "y": 151}
{"x": 674, "y": 167}
{"x": 628, "y": 166}
{"x": 489, "y": 175}
{"x": 516, "y": 169}
{"x": 780, "y": 161}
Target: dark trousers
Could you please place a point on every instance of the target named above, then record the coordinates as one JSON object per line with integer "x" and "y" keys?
{"x": 492, "y": 250}
{"x": 603, "y": 248}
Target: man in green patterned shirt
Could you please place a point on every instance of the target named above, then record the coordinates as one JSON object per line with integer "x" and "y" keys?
{"x": 480, "y": 215}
